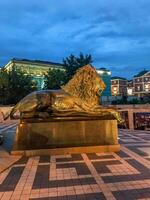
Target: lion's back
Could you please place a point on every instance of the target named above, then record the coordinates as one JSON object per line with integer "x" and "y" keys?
{"x": 36, "y": 99}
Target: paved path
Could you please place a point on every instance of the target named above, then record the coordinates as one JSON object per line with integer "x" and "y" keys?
{"x": 7, "y": 129}
{"x": 121, "y": 176}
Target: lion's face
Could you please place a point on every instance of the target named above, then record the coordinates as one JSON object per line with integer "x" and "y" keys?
{"x": 99, "y": 85}
{"x": 86, "y": 85}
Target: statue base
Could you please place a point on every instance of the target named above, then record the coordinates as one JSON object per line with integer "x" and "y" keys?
{"x": 63, "y": 135}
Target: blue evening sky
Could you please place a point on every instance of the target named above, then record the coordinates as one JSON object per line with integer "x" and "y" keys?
{"x": 115, "y": 32}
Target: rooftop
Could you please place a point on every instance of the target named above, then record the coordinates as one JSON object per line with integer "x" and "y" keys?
{"x": 103, "y": 68}
{"x": 35, "y": 61}
{"x": 118, "y": 77}
{"x": 141, "y": 73}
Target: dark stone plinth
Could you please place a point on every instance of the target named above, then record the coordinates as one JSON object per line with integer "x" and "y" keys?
{"x": 65, "y": 132}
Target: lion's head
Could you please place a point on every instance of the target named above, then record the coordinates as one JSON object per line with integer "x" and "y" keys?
{"x": 85, "y": 85}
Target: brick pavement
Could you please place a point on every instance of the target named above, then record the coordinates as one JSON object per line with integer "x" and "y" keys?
{"x": 122, "y": 176}
{"x": 7, "y": 128}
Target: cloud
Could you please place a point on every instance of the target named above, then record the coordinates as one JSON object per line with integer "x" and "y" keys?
{"x": 116, "y": 33}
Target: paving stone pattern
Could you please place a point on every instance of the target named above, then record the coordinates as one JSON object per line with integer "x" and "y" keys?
{"x": 95, "y": 176}
{"x": 7, "y": 129}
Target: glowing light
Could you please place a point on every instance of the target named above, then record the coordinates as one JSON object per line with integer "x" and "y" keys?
{"x": 115, "y": 92}
{"x": 130, "y": 91}
{"x": 146, "y": 86}
{"x": 100, "y": 71}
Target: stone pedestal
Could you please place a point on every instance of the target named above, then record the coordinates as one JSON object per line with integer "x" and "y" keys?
{"x": 66, "y": 135}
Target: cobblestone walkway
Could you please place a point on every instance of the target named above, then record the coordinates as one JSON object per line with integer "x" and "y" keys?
{"x": 122, "y": 176}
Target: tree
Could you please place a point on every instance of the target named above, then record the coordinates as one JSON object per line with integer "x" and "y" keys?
{"x": 14, "y": 85}
{"x": 3, "y": 86}
{"x": 72, "y": 63}
{"x": 54, "y": 79}
{"x": 57, "y": 77}
{"x": 19, "y": 85}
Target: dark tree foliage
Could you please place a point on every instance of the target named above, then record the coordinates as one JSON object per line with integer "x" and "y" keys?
{"x": 54, "y": 79}
{"x": 4, "y": 77}
{"x": 14, "y": 85}
{"x": 143, "y": 100}
{"x": 72, "y": 63}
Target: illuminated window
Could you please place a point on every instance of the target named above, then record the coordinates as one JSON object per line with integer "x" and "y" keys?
{"x": 130, "y": 91}
{"x": 138, "y": 80}
{"x": 146, "y": 86}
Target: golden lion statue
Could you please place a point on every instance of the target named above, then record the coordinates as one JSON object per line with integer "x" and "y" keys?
{"x": 80, "y": 96}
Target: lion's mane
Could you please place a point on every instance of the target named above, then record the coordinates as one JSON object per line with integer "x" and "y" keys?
{"x": 85, "y": 85}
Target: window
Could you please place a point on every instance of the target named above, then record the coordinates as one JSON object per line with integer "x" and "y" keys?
{"x": 146, "y": 87}
{"x": 115, "y": 90}
{"x": 130, "y": 91}
{"x": 138, "y": 80}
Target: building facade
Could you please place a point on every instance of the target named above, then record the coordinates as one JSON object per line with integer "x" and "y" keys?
{"x": 36, "y": 68}
{"x": 105, "y": 74}
{"x": 141, "y": 84}
{"x": 118, "y": 86}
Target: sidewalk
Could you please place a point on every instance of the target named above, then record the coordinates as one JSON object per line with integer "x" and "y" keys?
{"x": 6, "y": 159}
{"x": 95, "y": 176}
